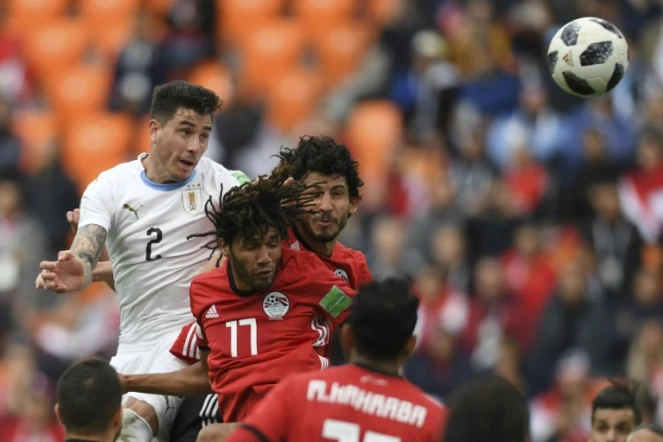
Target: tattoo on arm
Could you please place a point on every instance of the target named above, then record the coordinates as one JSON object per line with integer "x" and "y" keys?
{"x": 88, "y": 245}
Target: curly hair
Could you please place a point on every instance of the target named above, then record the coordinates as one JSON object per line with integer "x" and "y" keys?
{"x": 319, "y": 154}
{"x": 253, "y": 208}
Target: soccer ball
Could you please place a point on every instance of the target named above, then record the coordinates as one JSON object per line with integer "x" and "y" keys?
{"x": 588, "y": 57}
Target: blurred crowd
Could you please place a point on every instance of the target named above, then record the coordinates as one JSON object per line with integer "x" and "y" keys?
{"x": 529, "y": 220}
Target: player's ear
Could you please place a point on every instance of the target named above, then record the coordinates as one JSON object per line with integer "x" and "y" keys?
{"x": 354, "y": 205}
{"x": 154, "y": 129}
{"x": 117, "y": 420}
{"x": 409, "y": 347}
{"x": 347, "y": 339}
{"x": 57, "y": 413}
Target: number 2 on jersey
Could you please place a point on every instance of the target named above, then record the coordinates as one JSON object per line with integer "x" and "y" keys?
{"x": 148, "y": 249}
{"x": 341, "y": 431}
{"x": 251, "y": 322}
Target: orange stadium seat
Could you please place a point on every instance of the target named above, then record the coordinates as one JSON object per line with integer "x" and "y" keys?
{"x": 51, "y": 8}
{"x": 374, "y": 129}
{"x": 141, "y": 138}
{"x": 268, "y": 51}
{"x": 291, "y": 98}
{"x": 339, "y": 49}
{"x": 382, "y": 12}
{"x": 82, "y": 90}
{"x": 316, "y": 14}
{"x": 236, "y": 18}
{"x": 37, "y": 131}
{"x": 214, "y": 76}
{"x": 95, "y": 143}
{"x": 160, "y": 7}
{"x": 110, "y": 40}
{"x": 101, "y": 13}
{"x": 56, "y": 46}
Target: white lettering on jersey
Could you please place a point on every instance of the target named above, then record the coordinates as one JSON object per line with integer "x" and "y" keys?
{"x": 367, "y": 402}
{"x": 153, "y": 261}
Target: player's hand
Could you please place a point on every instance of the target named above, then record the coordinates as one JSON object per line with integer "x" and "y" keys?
{"x": 67, "y": 274}
{"x": 73, "y": 216}
{"x": 289, "y": 181}
{"x": 124, "y": 382}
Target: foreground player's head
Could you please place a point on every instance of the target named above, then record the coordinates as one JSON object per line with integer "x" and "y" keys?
{"x": 90, "y": 401}
{"x": 379, "y": 329}
{"x": 487, "y": 410}
{"x": 180, "y": 127}
{"x": 329, "y": 168}
{"x": 614, "y": 412}
{"x": 250, "y": 225}
{"x": 646, "y": 433}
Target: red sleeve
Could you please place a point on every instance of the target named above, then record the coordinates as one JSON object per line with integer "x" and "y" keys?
{"x": 186, "y": 344}
{"x": 197, "y": 297}
{"x": 365, "y": 275}
{"x": 335, "y": 296}
{"x": 271, "y": 418}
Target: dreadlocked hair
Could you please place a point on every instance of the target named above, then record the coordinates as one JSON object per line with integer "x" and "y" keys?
{"x": 253, "y": 208}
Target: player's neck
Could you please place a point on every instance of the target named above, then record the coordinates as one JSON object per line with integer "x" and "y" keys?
{"x": 320, "y": 248}
{"x": 70, "y": 437}
{"x": 386, "y": 367}
{"x": 155, "y": 173}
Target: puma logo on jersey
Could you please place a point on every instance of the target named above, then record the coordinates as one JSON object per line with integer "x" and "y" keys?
{"x": 212, "y": 313}
{"x": 131, "y": 209}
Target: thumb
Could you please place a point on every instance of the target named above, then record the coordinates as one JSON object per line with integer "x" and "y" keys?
{"x": 66, "y": 255}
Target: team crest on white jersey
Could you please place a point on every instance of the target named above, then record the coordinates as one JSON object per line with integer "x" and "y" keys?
{"x": 192, "y": 200}
{"x": 342, "y": 274}
{"x": 276, "y": 305}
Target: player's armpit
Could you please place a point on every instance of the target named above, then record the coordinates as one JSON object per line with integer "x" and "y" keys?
{"x": 88, "y": 245}
{"x": 189, "y": 381}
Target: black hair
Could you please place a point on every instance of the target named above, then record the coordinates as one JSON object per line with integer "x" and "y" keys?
{"x": 169, "y": 97}
{"x": 252, "y": 208}
{"x": 486, "y": 410}
{"x": 89, "y": 396}
{"x": 323, "y": 155}
{"x": 383, "y": 317}
{"x": 654, "y": 428}
{"x": 620, "y": 394}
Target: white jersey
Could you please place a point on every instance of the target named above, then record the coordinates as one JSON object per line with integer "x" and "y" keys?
{"x": 147, "y": 225}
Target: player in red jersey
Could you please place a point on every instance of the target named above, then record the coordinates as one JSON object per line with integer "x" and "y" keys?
{"x": 363, "y": 401}
{"x": 254, "y": 312}
{"x": 328, "y": 166}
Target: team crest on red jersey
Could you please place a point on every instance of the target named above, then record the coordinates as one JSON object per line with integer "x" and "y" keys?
{"x": 342, "y": 274}
{"x": 276, "y": 305}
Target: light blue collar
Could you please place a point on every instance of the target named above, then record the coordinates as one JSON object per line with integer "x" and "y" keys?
{"x": 166, "y": 187}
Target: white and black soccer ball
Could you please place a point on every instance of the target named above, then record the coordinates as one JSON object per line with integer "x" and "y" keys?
{"x": 588, "y": 57}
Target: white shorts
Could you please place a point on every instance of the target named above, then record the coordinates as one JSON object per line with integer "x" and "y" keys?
{"x": 157, "y": 360}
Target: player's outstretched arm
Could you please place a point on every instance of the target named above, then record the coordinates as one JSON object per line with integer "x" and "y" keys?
{"x": 189, "y": 381}
{"x": 103, "y": 272}
{"x": 73, "y": 269}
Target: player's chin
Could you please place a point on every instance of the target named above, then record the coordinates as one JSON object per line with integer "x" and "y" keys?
{"x": 263, "y": 282}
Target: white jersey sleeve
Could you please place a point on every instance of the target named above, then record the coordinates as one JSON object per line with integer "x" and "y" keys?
{"x": 97, "y": 203}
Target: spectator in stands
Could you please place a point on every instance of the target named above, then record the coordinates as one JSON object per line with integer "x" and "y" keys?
{"x": 90, "y": 401}
{"x": 614, "y": 241}
{"x": 614, "y": 413}
{"x": 10, "y": 144}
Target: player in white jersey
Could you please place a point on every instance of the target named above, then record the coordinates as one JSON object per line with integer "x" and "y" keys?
{"x": 143, "y": 211}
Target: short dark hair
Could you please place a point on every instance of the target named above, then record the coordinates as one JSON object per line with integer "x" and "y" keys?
{"x": 323, "y": 155}
{"x": 252, "y": 208}
{"x": 89, "y": 395}
{"x": 167, "y": 98}
{"x": 383, "y": 317}
{"x": 656, "y": 429}
{"x": 486, "y": 410}
{"x": 618, "y": 395}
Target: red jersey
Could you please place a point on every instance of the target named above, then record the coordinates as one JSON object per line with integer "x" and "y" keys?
{"x": 348, "y": 403}
{"x": 258, "y": 338}
{"x": 347, "y": 264}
